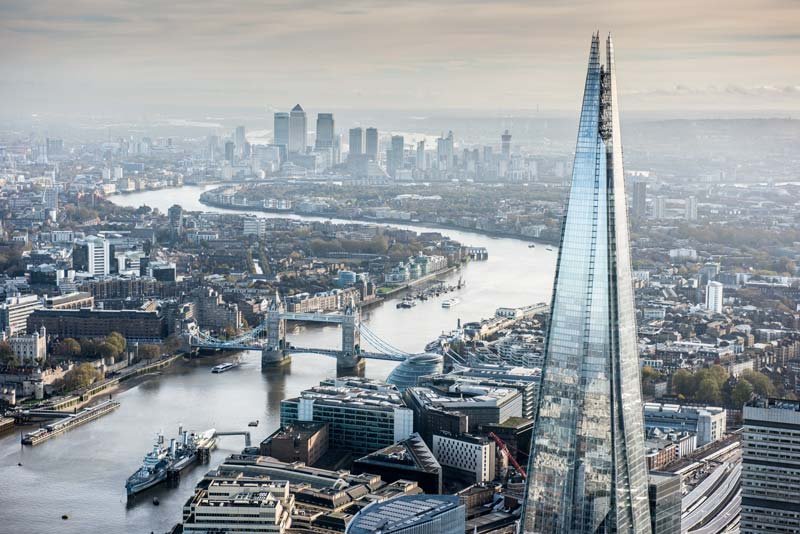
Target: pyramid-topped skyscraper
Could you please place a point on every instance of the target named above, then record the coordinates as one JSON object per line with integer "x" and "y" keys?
{"x": 587, "y": 472}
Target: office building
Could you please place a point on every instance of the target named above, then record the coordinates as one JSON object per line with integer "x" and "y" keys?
{"x": 371, "y": 144}
{"x": 70, "y": 301}
{"x": 412, "y": 368}
{"x": 639, "y": 205}
{"x": 714, "y": 297}
{"x": 664, "y": 491}
{"x": 363, "y": 416}
{"x": 163, "y": 271}
{"x": 326, "y": 133}
{"x": 445, "y": 155}
{"x": 479, "y": 405}
{"x": 356, "y": 142}
{"x": 505, "y": 145}
{"x": 175, "y": 213}
{"x": 708, "y": 423}
{"x": 409, "y": 459}
{"x": 50, "y": 199}
{"x": 690, "y": 208}
{"x": 771, "y": 467}
{"x": 230, "y": 151}
{"x": 281, "y": 129}
{"x": 252, "y": 225}
{"x": 420, "y": 156}
{"x": 239, "y": 505}
{"x": 14, "y": 313}
{"x": 660, "y": 208}
{"x": 395, "y": 156}
{"x": 298, "y": 130}
{"x": 239, "y": 139}
{"x": 134, "y": 325}
{"x": 522, "y": 379}
{"x": 300, "y": 442}
{"x": 411, "y": 514}
{"x": 469, "y": 456}
{"x": 587, "y": 471}
{"x": 92, "y": 255}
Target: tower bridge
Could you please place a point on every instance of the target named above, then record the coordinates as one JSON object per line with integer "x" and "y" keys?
{"x": 270, "y": 337}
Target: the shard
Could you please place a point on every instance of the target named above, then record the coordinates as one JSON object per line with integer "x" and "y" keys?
{"x": 587, "y": 470}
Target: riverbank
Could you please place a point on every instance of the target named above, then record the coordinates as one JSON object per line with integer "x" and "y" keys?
{"x": 80, "y": 398}
{"x": 372, "y": 220}
{"x": 83, "y": 473}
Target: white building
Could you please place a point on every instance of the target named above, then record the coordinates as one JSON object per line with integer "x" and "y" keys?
{"x": 256, "y": 226}
{"x": 714, "y": 297}
{"x": 467, "y": 454}
{"x": 30, "y": 348}
{"x": 92, "y": 256}
{"x": 709, "y": 422}
{"x": 241, "y": 504}
{"x": 14, "y": 313}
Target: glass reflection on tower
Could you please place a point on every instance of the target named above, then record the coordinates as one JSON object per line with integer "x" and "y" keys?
{"x": 587, "y": 470}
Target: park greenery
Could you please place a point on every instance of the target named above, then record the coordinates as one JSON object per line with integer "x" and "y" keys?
{"x": 714, "y": 386}
{"x": 81, "y": 376}
{"x": 111, "y": 348}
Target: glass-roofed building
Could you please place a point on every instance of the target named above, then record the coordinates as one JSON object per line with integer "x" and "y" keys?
{"x": 405, "y": 375}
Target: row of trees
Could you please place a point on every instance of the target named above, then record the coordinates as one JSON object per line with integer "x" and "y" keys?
{"x": 713, "y": 386}
{"x": 112, "y": 347}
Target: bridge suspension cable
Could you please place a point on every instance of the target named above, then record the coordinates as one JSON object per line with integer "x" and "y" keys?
{"x": 374, "y": 340}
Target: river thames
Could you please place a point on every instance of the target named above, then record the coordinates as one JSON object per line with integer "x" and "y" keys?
{"x": 82, "y": 473}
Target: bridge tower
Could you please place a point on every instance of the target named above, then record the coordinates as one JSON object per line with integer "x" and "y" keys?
{"x": 274, "y": 354}
{"x": 349, "y": 360}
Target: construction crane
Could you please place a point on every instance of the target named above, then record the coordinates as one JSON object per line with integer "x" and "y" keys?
{"x": 504, "y": 449}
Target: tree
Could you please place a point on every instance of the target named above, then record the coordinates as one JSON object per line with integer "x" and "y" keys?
{"x": 149, "y": 352}
{"x": 81, "y": 376}
{"x": 6, "y": 352}
{"x": 742, "y": 392}
{"x": 108, "y": 351}
{"x": 649, "y": 376}
{"x": 172, "y": 343}
{"x": 709, "y": 391}
{"x": 683, "y": 383}
{"x": 118, "y": 340}
{"x": 648, "y": 373}
{"x": 67, "y": 349}
{"x": 760, "y": 382}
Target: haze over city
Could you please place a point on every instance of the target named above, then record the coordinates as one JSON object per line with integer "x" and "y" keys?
{"x": 119, "y": 57}
{"x": 454, "y": 267}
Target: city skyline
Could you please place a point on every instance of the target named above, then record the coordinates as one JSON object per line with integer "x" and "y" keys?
{"x": 360, "y": 240}
{"x": 719, "y": 56}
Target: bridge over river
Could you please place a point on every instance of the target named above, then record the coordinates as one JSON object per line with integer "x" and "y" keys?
{"x": 270, "y": 337}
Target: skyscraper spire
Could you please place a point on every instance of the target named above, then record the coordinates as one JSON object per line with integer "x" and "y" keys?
{"x": 587, "y": 469}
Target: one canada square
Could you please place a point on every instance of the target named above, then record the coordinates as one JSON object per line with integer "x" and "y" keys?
{"x": 587, "y": 470}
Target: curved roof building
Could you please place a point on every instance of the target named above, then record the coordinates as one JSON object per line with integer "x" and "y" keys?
{"x": 406, "y": 374}
{"x": 411, "y": 514}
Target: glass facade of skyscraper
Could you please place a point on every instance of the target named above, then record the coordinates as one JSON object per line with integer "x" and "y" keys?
{"x": 587, "y": 471}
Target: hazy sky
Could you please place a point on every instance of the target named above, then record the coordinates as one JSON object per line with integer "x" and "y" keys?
{"x": 63, "y": 55}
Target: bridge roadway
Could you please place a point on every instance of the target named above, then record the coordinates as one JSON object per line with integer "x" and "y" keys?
{"x": 303, "y": 350}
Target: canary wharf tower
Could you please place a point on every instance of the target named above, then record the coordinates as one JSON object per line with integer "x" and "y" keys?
{"x": 587, "y": 470}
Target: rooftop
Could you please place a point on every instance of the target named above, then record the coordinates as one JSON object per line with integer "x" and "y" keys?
{"x": 412, "y": 452}
{"x": 401, "y": 513}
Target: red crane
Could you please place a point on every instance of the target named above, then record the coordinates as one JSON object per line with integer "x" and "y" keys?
{"x": 502, "y": 445}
